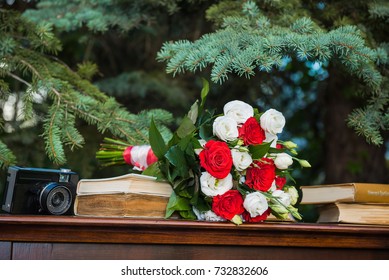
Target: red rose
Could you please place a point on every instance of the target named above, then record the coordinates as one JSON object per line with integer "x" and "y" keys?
{"x": 228, "y": 205}
{"x": 216, "y": 159}
{"x": 261, "y": 174}
{"x": 279, "y": 146}
{"x": 260, "y": 218}
{"x": 251, "y": 132}
{"x": 280, "y": 182}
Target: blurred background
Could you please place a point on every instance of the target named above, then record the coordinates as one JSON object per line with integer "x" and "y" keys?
{"x": 123, "y": 38}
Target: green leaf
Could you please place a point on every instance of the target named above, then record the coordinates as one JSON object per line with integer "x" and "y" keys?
{"x": 244, "y": 189}
{"x": 177, "y": 203}
{"x": 259, "y": 151}
{"x": 153, "y": 170}
{"x": 276, "y": 151}
{"x": 196, "y": 190}
{"x": 205, "y": 132}
{"x": 202, "y": 205}
{"x": 156, "y": 141}
{"x": 186, "y": 144}
{"x": 194, "y": 112}
{"x": 196, "y": 143}
{"x": 186, "y": 127}
{"x": 289, "y": 176}
{"x": 180, "y": 186}
{"x": 205, "y": 124}
{"x": 189, "y": 215}
{"x": 185, "y": 192}
{"x": 204, "y": 93}
{"x": 177, "y": 158}
{"x": 170, "y": 206}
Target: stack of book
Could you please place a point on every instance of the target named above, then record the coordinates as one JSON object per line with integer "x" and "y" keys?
{"x": 130, "y": 195}
{"x": 356, "y": 203}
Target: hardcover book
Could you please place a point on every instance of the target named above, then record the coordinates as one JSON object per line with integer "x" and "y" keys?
{"x": 130, "y": 195}
{"x": 355, "y": 213}
{"x": 348, "y": 192}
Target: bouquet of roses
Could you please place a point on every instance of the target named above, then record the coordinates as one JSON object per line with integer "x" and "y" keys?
{"x": 230, "y": 166}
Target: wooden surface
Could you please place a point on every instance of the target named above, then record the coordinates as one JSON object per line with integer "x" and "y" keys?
{"x": 50, "y": 237}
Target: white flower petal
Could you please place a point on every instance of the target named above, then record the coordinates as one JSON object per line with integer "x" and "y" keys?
{"x": 212, "y": 186}
{"x": 272, "y": 121}
{"x": 238, "y": 110}
{"x": 255, "y": 203}
{"x": 225, "y": 128}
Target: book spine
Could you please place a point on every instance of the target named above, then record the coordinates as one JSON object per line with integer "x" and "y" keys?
{"x": 371, "y": 193}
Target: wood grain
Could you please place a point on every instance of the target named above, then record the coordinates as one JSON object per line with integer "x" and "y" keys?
{"x": 89, "y": 251}
{"x": 64, "y": 237}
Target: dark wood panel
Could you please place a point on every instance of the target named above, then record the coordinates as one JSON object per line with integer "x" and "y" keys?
{"x": 5, "y": 250}
{"x": 72, "y": 251}
{"x": 132, "y": 231}
{"x": 49, "y": 237}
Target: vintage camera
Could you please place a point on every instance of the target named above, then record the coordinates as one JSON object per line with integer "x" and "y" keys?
{"x": 40, "y": 191}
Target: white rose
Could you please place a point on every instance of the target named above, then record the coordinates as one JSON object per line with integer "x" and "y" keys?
{"x": 199, "y": 215}
{"x": 212, "y": 217}
{"x": 238, "y": 110}
{"x": 282, "y": 197}
{"x": 212, "y": 186}
{"x": 271, "y": 137}
{"x": 255, "y": 203}
{"x": 225, "y": 128}
{"x": 241, "y": 160}
{"x": 207, "y": 216}
{"x": 294, "y": 195}
{"x": 283, "y": 161}
{"x": 272, "y": 121}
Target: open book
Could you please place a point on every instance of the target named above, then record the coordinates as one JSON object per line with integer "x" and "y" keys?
{"x": 130, "y": 195}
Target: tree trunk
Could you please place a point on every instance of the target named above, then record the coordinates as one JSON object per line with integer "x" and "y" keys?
{"x": 348, "y": 157}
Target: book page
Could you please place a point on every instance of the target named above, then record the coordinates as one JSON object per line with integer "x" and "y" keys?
{"x": 129, "y": 183}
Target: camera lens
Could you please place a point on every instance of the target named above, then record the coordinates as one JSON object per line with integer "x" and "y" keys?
{"x": 55, "y": 199}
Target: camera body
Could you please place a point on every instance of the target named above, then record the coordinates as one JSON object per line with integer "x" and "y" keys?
{"x": 40, "y": 191}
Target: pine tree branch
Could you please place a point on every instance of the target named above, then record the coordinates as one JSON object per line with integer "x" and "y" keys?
{"x": 122, "y": 132}
{"x": 24, "y": 59}
{"x": 243, "y": 49}
{"x": 7, "y": 158}
{"x": 18, "y": 79}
